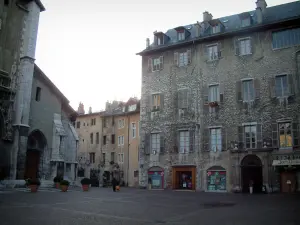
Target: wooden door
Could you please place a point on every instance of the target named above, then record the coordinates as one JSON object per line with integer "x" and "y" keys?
{"x": 32, "y": 164}
{"x": 288, "y": 176}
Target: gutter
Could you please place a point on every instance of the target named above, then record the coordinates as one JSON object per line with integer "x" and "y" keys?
{"x": 216, "y": 36}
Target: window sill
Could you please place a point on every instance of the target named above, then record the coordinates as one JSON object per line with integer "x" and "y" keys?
{"x": 249, "y": 54}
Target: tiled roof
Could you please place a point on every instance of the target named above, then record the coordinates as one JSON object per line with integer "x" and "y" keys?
{"x": 232, "y": 23}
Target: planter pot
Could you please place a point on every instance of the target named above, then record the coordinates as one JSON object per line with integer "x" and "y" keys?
{"x": 57, "y": 185}
{"x": 85, "y": 187}
{"x": 251, "y": 190}
{"x": 33, "y": 188}
{"x": 64, "y": 188}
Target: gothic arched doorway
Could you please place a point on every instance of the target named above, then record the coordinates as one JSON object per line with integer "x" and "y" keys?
{"x": 35, "y": 148}
{"x": 251, "y": 170}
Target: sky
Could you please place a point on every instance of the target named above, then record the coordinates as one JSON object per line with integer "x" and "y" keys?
{"x": 88, "y": 48}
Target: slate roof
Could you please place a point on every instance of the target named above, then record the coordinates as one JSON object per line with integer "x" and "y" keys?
{"x": 272, "y": 15}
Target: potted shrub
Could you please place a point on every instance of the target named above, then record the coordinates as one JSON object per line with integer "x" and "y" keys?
{"x": 251, "y": 186}
{"x": 57, "y": 181}
{"x": 85, "y": 182}
{"x": 33, "y": 184}
{"x": 64, "y": 185}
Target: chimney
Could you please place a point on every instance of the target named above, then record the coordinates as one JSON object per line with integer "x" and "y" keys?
{"x": 147, "y": 43}
{"x": 262, "y": 5}
{"x": 90, "y": 110}
{"x": 207, "y": 16}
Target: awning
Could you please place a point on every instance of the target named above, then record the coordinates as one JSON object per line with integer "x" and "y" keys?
{"x": 286, "y": 162}
{"x": 58, "y": 125}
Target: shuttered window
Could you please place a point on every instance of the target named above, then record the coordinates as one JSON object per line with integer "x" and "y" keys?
{"x": 155, "y": 142}
{"x": 184, "y": 141}
{"x": 250, "y": 136}
{"x": 281, "y": 86}
{"x": 285, "y": 135}
{"x": 248, "y": 90}
{"x": 214, "y": 93}
{"x": 286, "y": 38}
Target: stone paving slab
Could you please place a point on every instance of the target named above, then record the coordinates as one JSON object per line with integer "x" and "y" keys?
{"x": 133, "y": 207}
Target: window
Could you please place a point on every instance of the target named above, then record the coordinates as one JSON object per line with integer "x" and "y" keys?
{"x": 184, "y": 141}
{"x": 245, "y": 22}
{"x": 181, "y": 35}
{"x": 6, "y": 2}
{"x": 160, "y": 40}
{"x": 133, "y": 127}
{"x": 155, "y": 142}
{"x": 183, "y": 59}
{"x": 104, "y": 122}
{"x": 121, "y": 140}
{"x": 250, "y": 136}
{"x": 97, "y": 138}
{"x": 215, "y": 139}
{"x": 93, "y": 122}
{"x": 248, "y": 90}
{"x": 212, "y": 52}
{"x": 285, "y": 135}
{"x": 92, "y": 138}
{"x": 131, "y": 108}
{"x": 121, "y": 157}
{"x": 112, "y": 157}
{"x": 216, "y": 29}
{"x": 103, "y": 157}
{"x": 113, "y": 139}
{"x": 281, "y": 86}
{"x": 104, "y": 140}
{"x": 155, "y": 101}
{"x": 136, "y": 173}
{"x": 157, "y": 64}
{"x": 38, "y": 94}
{"x": 78, "y": 124}
{"x": 92, "y": 157}
{"x": 121, "y": 123}
{"x": 245, "y": 46}
{"x": 214, "y": 93}
{"x": 286, "y": 38}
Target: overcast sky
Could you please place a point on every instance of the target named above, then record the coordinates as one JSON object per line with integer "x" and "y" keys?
{"x": 87, "y": 48}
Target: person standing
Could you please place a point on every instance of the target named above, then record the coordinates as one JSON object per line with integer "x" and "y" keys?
{"x": 114, "y": 183}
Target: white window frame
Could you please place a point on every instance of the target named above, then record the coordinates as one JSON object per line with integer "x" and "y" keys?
{"x": 156, "y": 101}
{"x": 216, "y": 29}
{"x": 181, "y": 36}
{"x": 215, "y": 133}
{"x": 214, "y": 93}
{"x": 250, "y": 125}
{"x": 183, "y": 59}
{"x": 285, "y": 134}
{"x": 243, "y": 43}
{"x": 155, "y": 142}
{"x": 121, "y": 123}
{"x": 248, "y": 93}
{"x": 120, "y": 158}
{"x": 213, "y": 52}
{"x": 160, "y": 40}
{"x": 283, "y": 94}
{"x": 184, "y": 141}
{"x": 156, "y": 64}
{"x": 121, "y": 140}
{"x": 246, "y": 22}
{"x": 133, "y": 129}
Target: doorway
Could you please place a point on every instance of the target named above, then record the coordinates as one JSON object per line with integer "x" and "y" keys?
{"x": 288, "y": 181}
{"x": 184, "y": 177}
{"x": 251, "y": 172}
{"x": 32, "y": 164}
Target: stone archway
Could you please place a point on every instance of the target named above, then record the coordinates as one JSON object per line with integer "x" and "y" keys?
{"x": 251, "y": 170}
{"x": 36, "y": 144}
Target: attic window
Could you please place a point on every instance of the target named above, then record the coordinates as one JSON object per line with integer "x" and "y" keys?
{"x": 160, "y": 40}
{"x": 216, "y": 29}
{"x": 181, "y": 35}
{"x": 215, "y": 25}
{"x": 245, "y": 19}
{"x": 246, "y": 22}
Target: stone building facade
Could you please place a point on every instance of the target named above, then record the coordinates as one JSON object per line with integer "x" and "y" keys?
{"x": 220, "y": 103}
{"x": 18, "y": 33}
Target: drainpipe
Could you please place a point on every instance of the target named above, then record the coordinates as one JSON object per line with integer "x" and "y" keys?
{"x": 128, "y": 138}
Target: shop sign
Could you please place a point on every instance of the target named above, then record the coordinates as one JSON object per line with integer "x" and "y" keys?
{"x": 286, "y": 162}
{"x": 287, "y": 157}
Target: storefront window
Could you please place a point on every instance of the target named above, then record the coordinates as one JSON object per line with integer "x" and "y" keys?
{"x": 155, "y": 179}
{"x": 184, "y": 179}
{"x": 216, "y": 180}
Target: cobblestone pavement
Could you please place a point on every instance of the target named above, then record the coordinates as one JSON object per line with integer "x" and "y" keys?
{"x": 137, "y": 207}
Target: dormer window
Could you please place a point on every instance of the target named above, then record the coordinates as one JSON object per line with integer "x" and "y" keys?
{"x": 246, "y": 22}
{"x": 160, "y": 41}
{"x": 216, "y": 29}
{"x": 245, "y": 19}
{"x": 181, "y": 35}
{"x": 160, "y": 38}
{"x": 216, "y": 26}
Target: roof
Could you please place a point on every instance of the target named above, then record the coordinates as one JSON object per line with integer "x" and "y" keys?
{"x": 91, "y": 114}
{"x": 232, "y": 24}
{"x": 120, "y": 112}
{"x": 40, "y": 4}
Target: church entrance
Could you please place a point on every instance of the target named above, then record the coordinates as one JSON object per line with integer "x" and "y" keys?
{"x": 35, "y": 148}
{"x": 251, "y": 171}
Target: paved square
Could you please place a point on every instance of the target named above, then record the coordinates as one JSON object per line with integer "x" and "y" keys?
{"x": 132, "y": 207}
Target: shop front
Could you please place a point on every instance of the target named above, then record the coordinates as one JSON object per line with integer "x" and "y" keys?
{"x": 287, "y": 166}
{"x": 184, "y": 177}
{"x": 216, "y": 179}
{"x": 156, "y": 178}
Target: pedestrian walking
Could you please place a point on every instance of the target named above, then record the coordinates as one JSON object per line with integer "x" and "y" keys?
{"x": 114, "y": 183}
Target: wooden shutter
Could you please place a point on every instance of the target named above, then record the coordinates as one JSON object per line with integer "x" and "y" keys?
{"x": 272, "y": 87}
{"x": 176, "y": 58}
{"x": 161, "y": 63}
{"x": 239, "y": 95}
{"x": 219, "y": 50}
{"x": 205, "y": 93}
{"x": 221, "y": 90}
{"x": 162, "y": 143}
{"x": 259, "y": 141}
{"x": 291, "y": 84}
{"x": 206, "y": 56}
{"x": 205, "y": 140}
{"x": 150, "y": 65}
{"x": 236, "y": 47}
{"x": 151, "y": 102}
{"x": 224, "y": 139}
{"x": 192, "y": 140}
{"x": 180, "y": 98}
{"x": 241, "y": 140}
{"x": 257, "y": 88}
{"x": 296, "y": 132}
{"x": 162, "y": 98}
{"x": 147, "y": 144}
{"x": 189, "y": 56}
{"x": 275, "y": 135}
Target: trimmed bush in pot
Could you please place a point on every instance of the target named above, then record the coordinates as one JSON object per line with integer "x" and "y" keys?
{"x": 33, "y": 184}
{"x": 85, "y": 182}
{"x": 57, "y": 181}
{"x": 64, "y": 185}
